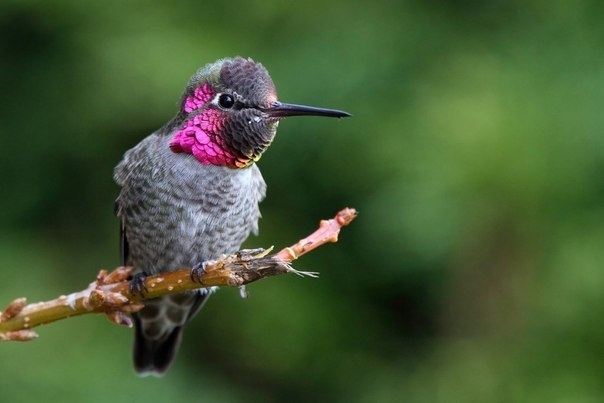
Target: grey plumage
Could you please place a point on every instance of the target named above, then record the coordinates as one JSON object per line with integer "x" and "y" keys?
{"x": 177, "y": 213}
{"x": 190, "y": 191}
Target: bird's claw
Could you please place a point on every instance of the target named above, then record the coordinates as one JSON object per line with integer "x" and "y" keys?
{"x": 197, "y": 271}
{"x": 245, "y": 255}
{"x": 137, "y": 284}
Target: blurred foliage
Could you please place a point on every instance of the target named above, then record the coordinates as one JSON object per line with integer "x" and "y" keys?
{"x": 475, "y": 156}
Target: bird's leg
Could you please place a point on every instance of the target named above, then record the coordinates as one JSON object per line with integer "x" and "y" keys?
{"x": 137, "y": 284}
{"x": 197, "y": 271}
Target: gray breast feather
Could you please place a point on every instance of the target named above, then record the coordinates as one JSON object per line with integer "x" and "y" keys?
{"x": 177, "y": 212}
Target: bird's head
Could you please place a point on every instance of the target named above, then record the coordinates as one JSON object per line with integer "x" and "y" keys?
{"x": 229, "y": 113}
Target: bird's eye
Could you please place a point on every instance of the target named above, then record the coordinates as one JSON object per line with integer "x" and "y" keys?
{"x": 226, "y": 101}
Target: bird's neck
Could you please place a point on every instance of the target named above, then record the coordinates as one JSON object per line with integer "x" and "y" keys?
{"x": 199, "y": 136}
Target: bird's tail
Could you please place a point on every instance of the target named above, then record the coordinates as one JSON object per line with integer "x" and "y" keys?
{"x": 153, "y": 357}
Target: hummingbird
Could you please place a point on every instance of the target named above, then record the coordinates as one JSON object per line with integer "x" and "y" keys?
{"x": 190, "y": 192}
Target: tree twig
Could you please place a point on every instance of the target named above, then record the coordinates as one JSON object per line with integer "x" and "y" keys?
{"x": 110, "y": 292}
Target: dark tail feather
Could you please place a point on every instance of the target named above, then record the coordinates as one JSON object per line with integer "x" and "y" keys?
{"x": 154, "y": 357}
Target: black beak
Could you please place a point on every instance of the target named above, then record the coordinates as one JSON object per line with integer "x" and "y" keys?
{"x": 281, "y": 110}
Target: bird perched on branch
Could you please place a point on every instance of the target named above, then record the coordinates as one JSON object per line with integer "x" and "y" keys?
{"x": 190, "y": 192}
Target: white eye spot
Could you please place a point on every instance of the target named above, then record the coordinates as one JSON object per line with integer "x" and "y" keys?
{"x": 214, "y": 101}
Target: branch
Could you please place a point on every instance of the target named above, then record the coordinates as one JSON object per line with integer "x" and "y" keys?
{"x": 110, "y": 293}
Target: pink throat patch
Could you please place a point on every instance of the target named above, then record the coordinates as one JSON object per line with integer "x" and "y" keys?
{"x": 199, "y": 134}
{"x": 199, "y": 137}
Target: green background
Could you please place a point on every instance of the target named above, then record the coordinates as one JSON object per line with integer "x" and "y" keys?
{"x": 474, "y": 272}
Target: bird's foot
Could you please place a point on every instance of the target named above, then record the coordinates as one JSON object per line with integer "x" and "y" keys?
{"x": 245, "y": 255}
{"x": 137, "y": 284}
{"x": 197, "y": 271}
